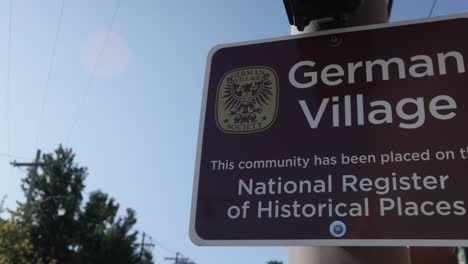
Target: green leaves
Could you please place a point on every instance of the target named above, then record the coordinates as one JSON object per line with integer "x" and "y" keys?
{"x": 62, "y": 227}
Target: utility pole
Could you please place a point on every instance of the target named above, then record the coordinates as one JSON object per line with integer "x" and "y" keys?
{"x": 32, "y": 185}
{"x": 178, "y": 259}
{"x": 371, "y": 12}
{"x": 143, "y": 245}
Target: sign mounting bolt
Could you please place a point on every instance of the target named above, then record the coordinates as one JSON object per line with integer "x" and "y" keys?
{"x": 335, "y": 41}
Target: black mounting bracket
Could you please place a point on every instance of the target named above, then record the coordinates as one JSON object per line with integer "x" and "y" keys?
{"x": 302, "y": 12}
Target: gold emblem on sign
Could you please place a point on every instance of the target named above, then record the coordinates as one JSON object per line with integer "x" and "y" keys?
{"x": 247, "y": 100}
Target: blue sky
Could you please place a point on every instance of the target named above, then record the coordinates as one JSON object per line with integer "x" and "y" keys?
{"x": 134, "y": 121}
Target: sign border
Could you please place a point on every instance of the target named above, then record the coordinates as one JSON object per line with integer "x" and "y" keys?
{"x": 196, "y": 239}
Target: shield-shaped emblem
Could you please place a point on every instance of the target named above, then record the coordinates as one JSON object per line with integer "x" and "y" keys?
{"x": 247, "y": 100}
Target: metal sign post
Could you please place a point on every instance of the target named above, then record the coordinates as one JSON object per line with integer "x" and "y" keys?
{"x": 372, "y": 12}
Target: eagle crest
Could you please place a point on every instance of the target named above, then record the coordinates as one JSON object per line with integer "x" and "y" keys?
{"x": 245, "y": 100}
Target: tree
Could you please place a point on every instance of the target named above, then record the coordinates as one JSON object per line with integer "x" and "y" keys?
{"x": 15, "y": 246}
{"x": 65, "y": 229}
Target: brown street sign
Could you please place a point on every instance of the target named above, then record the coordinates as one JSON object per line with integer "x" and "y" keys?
{"x": 349, "y": 137}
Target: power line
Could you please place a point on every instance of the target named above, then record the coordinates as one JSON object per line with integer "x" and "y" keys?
{"x": 93, "y": 69}
{"x": 163, "y": 247}
{"x": 49, "y": 72}
{"x": 156, "y": 243}
{"x": 432, "y": 8}
{"x": 179, "y": 257}
{"x": 6, "y": 155}
{"x": 9, "y": 77}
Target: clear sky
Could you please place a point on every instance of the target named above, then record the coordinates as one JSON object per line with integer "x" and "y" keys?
{"x": 132, "y": 117}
